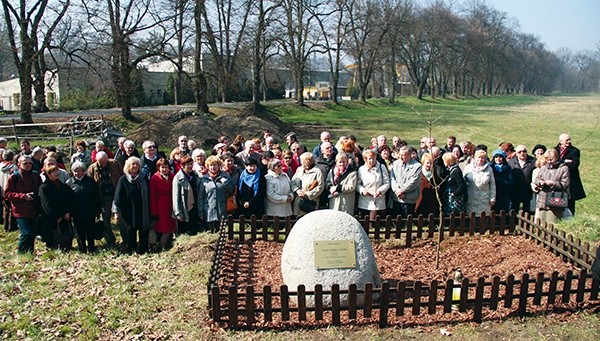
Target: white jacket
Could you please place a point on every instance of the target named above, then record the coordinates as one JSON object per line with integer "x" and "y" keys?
{"x": 279, "y": 188}
{"x": 481, "y": 188}
{"x": 374, "y": 180}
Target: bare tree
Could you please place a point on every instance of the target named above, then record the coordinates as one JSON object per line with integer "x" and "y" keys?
{"x": 25, "y": 23}
{"x": 334, "y": 28}
{"x": 200, "y": 84}
{"x": 368, "y": 25}
{"x": 260, "y": 46}
{"x": 299, "y": 20}
{"x": 133, "y": 29}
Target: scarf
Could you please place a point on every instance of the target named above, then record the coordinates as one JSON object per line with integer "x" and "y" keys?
{"x": 337, "y": 172}
{"x": 428, "y": 174}
{"x": 251, "y": 180}
{"x": 190, "y": 201}
{"x": 500, "y": 167}
{"x": 140, "y": 182}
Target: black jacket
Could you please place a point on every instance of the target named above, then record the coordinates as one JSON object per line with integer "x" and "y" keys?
{"x": 521, "y": 178}
{"x": 576, "y": 186}
{"x": 56, "y": 200}
{"x": 86, "y": 198}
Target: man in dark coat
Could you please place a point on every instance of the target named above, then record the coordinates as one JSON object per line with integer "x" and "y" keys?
{"x": 522, "y": 167}
{"x": 569, "y": 156}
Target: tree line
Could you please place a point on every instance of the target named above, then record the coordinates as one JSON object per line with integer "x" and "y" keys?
{"x": 444, "y": 49}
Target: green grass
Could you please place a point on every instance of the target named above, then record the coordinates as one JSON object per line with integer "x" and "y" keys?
{"x": 55, "y": 295}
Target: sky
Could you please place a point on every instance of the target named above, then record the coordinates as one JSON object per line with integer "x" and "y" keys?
{"x": 574, "y": 24}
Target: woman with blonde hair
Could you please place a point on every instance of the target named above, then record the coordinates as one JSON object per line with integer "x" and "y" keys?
{"x": 308, "y": 184}
{"x": 454, "y": 188}
{"x": 213, "y": 190}
{"x": 373, "y": 182}
{"x": 132, "y": 207}
{"x": 427, "y": 202}
{"x": 481, "y": 185}
{"x": 341, "y": 185}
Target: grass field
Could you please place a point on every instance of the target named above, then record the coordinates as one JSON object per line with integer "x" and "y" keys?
{"x": 52, "y": 295}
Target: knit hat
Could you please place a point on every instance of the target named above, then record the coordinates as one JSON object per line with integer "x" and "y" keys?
{"x": 499, "y": 152}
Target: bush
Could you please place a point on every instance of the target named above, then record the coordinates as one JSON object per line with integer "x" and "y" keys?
{"x": 86, "y": 99}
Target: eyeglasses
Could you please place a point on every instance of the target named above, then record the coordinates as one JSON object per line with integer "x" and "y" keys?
{"x": 151, "y": 147}
{"x": 287, "y": 157}
{"x": 27, "y": 163}
{"x": 521, "y": 151}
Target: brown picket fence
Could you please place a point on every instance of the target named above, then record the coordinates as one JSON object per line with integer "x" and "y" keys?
{"x": 235, "y": 307}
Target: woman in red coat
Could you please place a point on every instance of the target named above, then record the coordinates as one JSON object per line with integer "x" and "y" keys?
{"x": 161, "y": 202}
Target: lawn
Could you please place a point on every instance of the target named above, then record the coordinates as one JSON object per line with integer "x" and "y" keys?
{"x": 52, "y": 295}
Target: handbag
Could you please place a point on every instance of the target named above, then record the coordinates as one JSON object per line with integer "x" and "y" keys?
{"x": 99, "y": 229}
{"x": 231, "y": 202}
{"x": 557, "y": 199}
{"x": 307, "y": 205}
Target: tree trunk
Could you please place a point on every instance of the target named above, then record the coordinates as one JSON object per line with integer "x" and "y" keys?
{"x": 200, "y": 85}
{"x": 25, "y": 84}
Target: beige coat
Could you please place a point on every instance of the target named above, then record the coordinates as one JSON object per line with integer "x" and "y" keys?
{"x": 345, "y": 201}
{"x": 303, "y": 179}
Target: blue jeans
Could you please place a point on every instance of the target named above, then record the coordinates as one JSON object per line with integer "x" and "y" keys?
{"x": 27, "y": 228}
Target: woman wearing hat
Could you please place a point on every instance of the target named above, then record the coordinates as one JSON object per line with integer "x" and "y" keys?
{"x": 503, "y": 179}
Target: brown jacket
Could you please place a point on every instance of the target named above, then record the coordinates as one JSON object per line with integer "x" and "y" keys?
{"x": 115, "y": 173}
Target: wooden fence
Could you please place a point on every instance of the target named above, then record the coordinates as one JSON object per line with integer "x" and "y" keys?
{"x": 235, "y": 307}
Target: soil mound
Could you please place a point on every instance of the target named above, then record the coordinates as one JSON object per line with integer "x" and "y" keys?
{"x": 251, "y": 121}
{"x": 205, "y": 129}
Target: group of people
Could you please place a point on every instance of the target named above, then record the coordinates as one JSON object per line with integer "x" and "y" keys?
{"x": 153, "y": 197}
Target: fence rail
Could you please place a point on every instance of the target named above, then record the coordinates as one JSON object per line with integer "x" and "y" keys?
{"x": 246, "y": 307}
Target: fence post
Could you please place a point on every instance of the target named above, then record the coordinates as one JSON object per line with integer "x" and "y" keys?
{"x": 416, "y": 302}
{"x": 335, "y": 304}
{"x": 368, "y": 300}
{"x": 15, "y": 132}
{"x": 285, "y": 303}
{"x": 301, "y": 302}
{"x": 523, "y": 294}
{"x": 249, "y": 306}
{"x": 384, "y": 304}
{"x": 400, "y": 296}
{"x": 479, "y": 300}
{"x": 233, "y": 307}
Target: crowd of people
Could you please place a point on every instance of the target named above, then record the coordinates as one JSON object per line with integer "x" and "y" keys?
{"x": 153, "y": 196}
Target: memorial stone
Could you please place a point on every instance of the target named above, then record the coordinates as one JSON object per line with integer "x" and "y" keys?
{"x": 328, "y": 247}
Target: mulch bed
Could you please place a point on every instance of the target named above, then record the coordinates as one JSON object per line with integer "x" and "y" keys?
{"x": 257, "y": 263}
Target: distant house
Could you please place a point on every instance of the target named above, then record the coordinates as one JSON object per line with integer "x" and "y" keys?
{"x": 66, "y": 81}
{"x": 316, "y": 84}
{"x": 58, "y": 83}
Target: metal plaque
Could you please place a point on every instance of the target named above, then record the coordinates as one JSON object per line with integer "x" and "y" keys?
{"x": 335, "y": 254}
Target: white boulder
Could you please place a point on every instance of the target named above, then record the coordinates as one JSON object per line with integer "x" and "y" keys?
{"x": 298, "y": 256}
